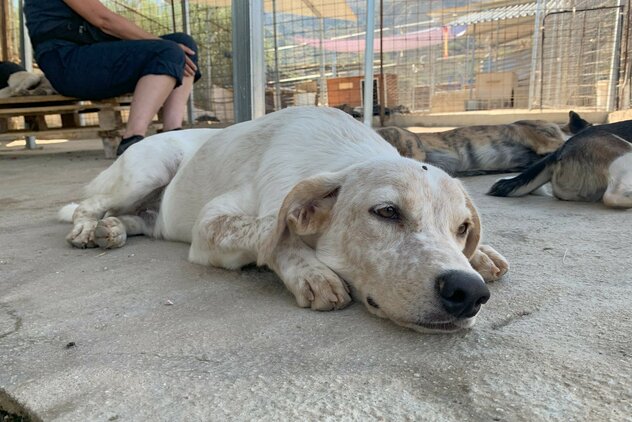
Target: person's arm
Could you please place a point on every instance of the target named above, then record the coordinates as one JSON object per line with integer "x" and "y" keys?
{"x": 107, "y": 21}
{"x": 113, "y": 24}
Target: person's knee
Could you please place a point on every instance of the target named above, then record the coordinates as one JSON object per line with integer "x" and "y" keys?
{"x": 182, "y": 38}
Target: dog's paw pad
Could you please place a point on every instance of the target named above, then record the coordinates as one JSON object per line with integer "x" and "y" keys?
{"x": 110, "y": 233}
{"x": 322, "y": 291}
{"x": 82, "y": 235}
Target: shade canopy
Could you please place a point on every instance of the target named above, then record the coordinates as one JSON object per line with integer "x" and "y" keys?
{"x": 331, "y": 9}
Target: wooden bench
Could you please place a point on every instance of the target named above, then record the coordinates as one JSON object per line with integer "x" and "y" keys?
{"x": 35, "y": 109}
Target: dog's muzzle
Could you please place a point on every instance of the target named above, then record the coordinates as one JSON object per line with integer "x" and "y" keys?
{"x": 462, "y": 293}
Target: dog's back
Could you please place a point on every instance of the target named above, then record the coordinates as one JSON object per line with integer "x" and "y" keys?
{"x": 479, "y": 149}
{"x": 270, "y": 151}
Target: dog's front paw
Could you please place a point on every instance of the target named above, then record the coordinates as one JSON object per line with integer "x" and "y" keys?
{"x": 321, "y": 290}
{"x": 489, "y": 264}
{"x": 110, "y": 233}
{"x": 82, "y": 235}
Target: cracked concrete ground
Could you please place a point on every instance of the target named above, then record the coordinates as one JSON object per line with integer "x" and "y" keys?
{"x": 140, "y": 334}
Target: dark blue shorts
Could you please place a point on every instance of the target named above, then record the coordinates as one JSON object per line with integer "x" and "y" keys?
{"x": 109, "y": 69}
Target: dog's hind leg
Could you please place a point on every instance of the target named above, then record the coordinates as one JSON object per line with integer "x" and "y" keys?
{"x": 619, "y": 191}
{"x": 119, "y": 189}
{"x": 112, "y": 232}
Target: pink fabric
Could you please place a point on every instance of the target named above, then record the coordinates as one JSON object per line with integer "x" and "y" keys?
{"x": 409, "y": 41}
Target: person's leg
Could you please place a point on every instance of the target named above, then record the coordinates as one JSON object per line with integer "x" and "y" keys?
{"x": 149, "y": 68}
{"x": 175, "y": 105}
{"x": 151, "y": 92}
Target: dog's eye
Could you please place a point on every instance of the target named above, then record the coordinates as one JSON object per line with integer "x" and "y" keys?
{"x": 463, "y": 228}
{"x": 388, "y": 212}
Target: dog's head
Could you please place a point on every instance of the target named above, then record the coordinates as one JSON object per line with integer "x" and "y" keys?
{"x": 400, "y": 233}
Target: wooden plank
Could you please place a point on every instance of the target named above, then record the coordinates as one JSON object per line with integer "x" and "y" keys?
{"x": 53, "y": 99}
{"x": 90, "y": 131}
{"x": 37, "y": 99}
{"x": 57, "y": 109}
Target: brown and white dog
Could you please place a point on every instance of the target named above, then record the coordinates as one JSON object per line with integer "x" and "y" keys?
{"x": 484, "y": 149}
{"x": 316, "y": 196}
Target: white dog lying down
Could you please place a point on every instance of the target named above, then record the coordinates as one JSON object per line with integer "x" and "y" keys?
{"x": 316, "y": 196}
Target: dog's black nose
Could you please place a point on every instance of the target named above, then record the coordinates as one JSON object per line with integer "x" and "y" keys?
{"x": 462, "y": 293}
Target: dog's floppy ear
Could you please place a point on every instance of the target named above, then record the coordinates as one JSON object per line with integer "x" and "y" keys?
{"x": 474, "y": 234}
{"x": 306, "y": 210}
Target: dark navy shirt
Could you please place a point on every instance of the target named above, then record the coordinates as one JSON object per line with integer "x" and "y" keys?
{"x": 52, "y": 23}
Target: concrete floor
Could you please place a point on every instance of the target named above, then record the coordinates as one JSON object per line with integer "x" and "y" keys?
{"x": 140, "y": 334}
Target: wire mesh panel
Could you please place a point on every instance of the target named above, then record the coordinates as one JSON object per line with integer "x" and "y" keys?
{"x": 444, "y": 56}
{"x": 210, "y": 25}
{"x": 579, "y": 55}
{"x": 430, "y": 56}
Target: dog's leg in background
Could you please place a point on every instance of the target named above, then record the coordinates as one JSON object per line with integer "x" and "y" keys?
{"x": 619, "y": 191}
{"x": 489, "y": 263}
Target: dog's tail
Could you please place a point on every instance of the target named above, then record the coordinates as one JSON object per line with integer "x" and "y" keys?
{"x": 65, "y": 213}
{"x": 529, "y": 180}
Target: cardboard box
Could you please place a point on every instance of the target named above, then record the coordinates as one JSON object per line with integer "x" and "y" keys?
{"x": 496, "y": 86}
{"x": 348, "y": 90}
{"x": 448, "y": 101}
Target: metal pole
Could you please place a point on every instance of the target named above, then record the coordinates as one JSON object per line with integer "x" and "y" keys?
{"x": 321, "y": 82}
{"x": 186, "y": 27}
{"x": 257, "y": 60}
{"x": 173, "y": 16}
{"x": 26, "y": 57}
{"x": 277, "y": 86}
{"x": 241, "y": 60}
{"x": 534, "y": 51}
{"x": 616, "y": 58}
{"x": 368, "y": 63}
{"x": 381, "y": 87}
{"x": 26, "y": 50}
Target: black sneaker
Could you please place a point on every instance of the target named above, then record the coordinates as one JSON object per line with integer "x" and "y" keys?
{"x": 128, "y": 142}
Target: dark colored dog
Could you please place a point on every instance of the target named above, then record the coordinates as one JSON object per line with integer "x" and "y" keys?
{"x": 594, "y": 165}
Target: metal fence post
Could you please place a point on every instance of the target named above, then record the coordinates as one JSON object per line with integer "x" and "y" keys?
{"x": 368, "y": 63}
{"x": 616, "y": 58}
{"x": 534, "y": 52}
{"x": 257, "y": 60}
{"x": 186, "y": 27}
{"x": 248, "y": 59}
{"x": 241, "y": 60}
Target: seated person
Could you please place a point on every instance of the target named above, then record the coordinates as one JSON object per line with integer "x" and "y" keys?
{"x": 89, "y": 52}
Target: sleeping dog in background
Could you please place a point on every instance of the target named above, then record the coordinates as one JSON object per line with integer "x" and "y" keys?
{"x": 594, "y": 165}
{"x": 15, "y": 81}
{"x": 475, "y": 150}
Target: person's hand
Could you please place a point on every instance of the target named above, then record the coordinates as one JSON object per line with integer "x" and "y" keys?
{"x": 189, "y": 66}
